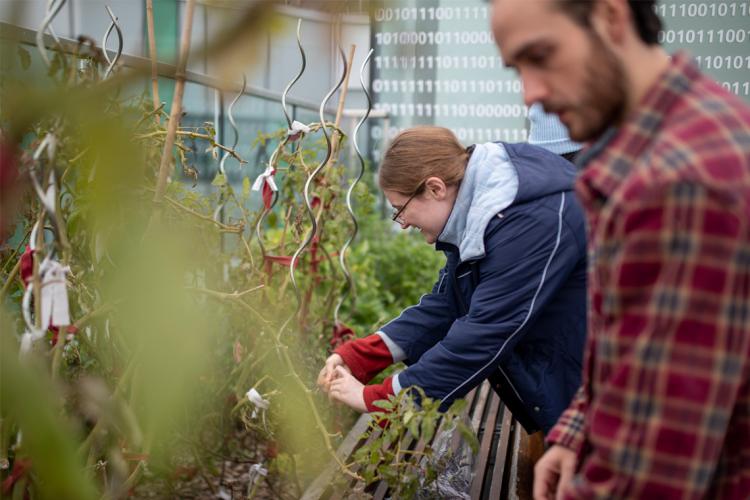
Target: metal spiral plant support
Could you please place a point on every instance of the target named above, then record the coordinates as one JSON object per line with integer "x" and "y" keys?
{"x": 355, "y": 229}
{"x": 275, "y": 154}
{"x": 308, "y": 183}
{"x": 111, "y": 62}
{"x": 52, "y": 10}
{"x": 236, "y": 133}
{"x": 233, "y": 124}
{"x": 296, "y": 78}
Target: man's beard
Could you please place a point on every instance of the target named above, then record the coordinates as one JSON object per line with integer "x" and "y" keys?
{"x": 604, "y": 94}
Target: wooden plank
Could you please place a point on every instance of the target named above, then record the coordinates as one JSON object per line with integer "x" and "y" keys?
{"x": 480, "y": 463}
{"x": 323, "y": 481}
{"x": 513, "y": 473}
{"x": 380, "y": 491}
{"x": 479, "y": 409}
{"x": 501, "y": 456}
{"x": 530, "y": 449}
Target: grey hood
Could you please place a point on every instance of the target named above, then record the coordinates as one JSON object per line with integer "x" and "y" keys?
{"x": 489, "y": 186}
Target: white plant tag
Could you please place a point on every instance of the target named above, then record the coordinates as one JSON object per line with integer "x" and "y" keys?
{"x": 55, "y": 310}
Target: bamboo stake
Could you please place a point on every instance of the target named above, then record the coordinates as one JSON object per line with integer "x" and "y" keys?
{"x": 342, "y": 98}
{"x": 152, "y": 56}
{"x": 176, "y": 111}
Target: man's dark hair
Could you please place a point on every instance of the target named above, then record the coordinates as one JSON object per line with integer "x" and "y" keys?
{"x": 647, "y": 23}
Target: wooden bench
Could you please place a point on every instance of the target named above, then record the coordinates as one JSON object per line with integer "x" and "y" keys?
{"x": 502, "y": 468}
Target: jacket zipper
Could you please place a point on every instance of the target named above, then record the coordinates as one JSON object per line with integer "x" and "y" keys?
{"x": 510, "y": 384}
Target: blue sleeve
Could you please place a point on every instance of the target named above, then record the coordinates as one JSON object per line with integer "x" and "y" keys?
{"x": 533, "y": 255}
{"x": 421, "y": 326}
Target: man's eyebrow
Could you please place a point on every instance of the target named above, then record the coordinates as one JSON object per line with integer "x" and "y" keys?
{"x": 520, "y": 53}
{"x": 524, "y": 51}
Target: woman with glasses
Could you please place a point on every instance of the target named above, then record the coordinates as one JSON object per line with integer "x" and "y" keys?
{"x": 510, "y": 303}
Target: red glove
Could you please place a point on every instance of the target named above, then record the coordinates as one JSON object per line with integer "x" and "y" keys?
{"x": 366, "y": 357}
{"x": 376, "y": 392}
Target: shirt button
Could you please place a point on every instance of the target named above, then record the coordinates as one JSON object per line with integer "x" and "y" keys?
{"x": 536, "y": 408}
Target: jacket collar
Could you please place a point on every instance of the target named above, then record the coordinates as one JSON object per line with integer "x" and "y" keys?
{"x": 490, "y": 185}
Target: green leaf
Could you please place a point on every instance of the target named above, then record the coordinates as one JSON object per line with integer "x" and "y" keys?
{"x": 408, "y": 416}
{"x": 458, "y": 406}
{"x": 386, "y": 405}
{"x": 428, "y": 429}
{"x": 468, "y": 434}
{"x": 368, "y": 475}
{"x": 413, "y": 427}
{"x": 219, "y": 180}
{"x": 361, "y": 454}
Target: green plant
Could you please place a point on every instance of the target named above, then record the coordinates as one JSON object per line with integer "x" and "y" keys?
{"x": 170, "y": 330}
{"x": 399, "y": 447}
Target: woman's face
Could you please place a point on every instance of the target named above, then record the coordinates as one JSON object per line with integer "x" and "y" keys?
{"x": 428, "y": 211}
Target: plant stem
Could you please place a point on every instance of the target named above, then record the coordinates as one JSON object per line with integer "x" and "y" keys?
{"x": 318, "y": 421}
{"x": 342, "y": 98}
{"x": 195, "y": 135}
{"x": 9, "y": 280}
{"x": 224, "y": 227}
{"x": 231, "y": 299}
{"x": 176, "y": 111}
{"x": 224, "y": 295}
{"x": 152, "y": 56}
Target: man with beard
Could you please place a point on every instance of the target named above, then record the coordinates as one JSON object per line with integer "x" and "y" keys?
{"x": 664, "y": 409}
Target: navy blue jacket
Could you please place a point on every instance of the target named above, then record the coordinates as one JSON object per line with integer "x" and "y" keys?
{"x": 516, "y": 314}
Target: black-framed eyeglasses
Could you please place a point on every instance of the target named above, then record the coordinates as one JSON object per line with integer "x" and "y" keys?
{"x": 397, "y": 213}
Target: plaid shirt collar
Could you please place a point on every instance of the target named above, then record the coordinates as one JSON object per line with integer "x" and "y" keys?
{"x": 610, "y": 159}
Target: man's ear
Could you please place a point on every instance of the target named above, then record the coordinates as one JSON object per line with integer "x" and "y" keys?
{"x": 435, "y": 187}
{"x": 612, "y": 21}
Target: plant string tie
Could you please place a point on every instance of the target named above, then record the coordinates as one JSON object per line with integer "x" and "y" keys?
{"x": 266, "y": 182}
{"x": 256, "y": 471}
{"x": 257, "y": 400}
{"x": 297, "y": 130}
{"x": 55, "y": 311}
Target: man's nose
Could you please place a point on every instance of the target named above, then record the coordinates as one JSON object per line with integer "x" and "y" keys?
{"x": 534, "y": 88}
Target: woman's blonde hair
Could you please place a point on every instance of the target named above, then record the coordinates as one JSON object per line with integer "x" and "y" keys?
{"x": 421, "y": 152}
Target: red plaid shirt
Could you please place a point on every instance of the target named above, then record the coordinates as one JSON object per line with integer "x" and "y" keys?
{"x": 664, "y": 410}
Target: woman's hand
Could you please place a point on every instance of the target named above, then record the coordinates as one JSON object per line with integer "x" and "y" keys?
{"x": 326, "y": 375}
{"x": 347, "y": 389}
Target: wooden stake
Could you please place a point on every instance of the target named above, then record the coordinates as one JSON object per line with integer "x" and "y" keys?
{"x": 342, "y": 98}
{"x": 152, "y": 56}
{"x": 176, "y": 111}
